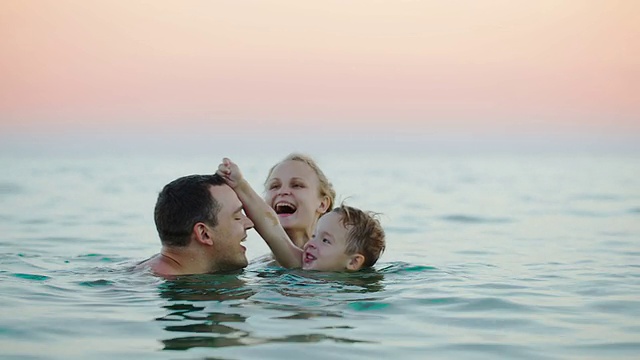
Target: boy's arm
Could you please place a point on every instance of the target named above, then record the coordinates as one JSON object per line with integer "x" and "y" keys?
{"x": 263, "y": 216}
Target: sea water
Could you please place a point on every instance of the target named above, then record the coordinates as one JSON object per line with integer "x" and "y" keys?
{"x": 529, "y": 256}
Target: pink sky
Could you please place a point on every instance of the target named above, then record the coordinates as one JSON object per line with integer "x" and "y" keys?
{"x": 496, "y": 67}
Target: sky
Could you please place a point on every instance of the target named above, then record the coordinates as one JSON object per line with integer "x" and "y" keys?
{"x": 292, "y": 72}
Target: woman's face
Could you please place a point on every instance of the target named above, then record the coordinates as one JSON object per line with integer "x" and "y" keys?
{"x": 292, "y": 190}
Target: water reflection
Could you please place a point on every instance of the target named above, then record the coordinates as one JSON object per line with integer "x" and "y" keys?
{"x": 189, "y": 342}
{"x": 188, "y": 298}
{"x": 213, "y": 323}
{"x": 206, "y": 287}
{"x": 301, "y": 283}
{"x": 212, "y": 310}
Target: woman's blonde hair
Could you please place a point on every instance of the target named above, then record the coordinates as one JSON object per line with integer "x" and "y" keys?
{"x": 326, "y": 188}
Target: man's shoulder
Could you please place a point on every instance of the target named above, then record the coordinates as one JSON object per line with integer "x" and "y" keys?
{"x": 149, "y": 261}
{"x": 149, "y": 264}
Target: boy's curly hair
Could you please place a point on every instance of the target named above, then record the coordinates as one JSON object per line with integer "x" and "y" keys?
{"x": 366, "y": 235}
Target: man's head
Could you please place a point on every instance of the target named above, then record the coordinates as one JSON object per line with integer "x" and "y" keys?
{"x": 345, "y": 239}
{"x": 204, "y": 209}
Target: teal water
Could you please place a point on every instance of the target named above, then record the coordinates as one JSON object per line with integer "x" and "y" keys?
{"x": 489, "y": 256}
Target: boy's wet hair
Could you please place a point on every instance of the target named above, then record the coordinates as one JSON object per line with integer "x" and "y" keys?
{"x": 365, "y": 235}
{"x": 326, "y": 188}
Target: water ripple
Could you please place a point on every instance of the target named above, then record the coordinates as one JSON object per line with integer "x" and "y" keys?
{"x": 496, "y": 351}
{"x": 243, "y": 338}
{"x": 609, "y": 348}
{"x": 470, "y": 219}
{"x": 11, "y": 188}
{"x": 485, "y": 305}
{"x": 621, "y": 307}
{"x": 96, "y": 283}
{"x": 403, "y": 229}
{"x": 367, "y": 305}
{"x": 34, "y": 277}
{"x": 400, "y": 267}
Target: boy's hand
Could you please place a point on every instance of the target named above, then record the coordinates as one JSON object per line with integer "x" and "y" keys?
{"x": 230, "y": 172}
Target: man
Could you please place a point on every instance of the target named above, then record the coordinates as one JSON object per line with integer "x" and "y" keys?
{"x": 201, "y": 226}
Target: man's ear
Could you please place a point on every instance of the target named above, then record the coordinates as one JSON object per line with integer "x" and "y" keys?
{"x": 355, "y": 262}
{"x": 324, "y": 204}
{"x": 203, "y": 233}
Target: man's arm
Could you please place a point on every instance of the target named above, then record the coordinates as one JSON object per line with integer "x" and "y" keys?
{"x": 264, "y": 218}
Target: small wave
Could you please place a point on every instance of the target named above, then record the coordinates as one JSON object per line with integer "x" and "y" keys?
{"x": 469, "y": 219}
{"x": 98, "y": 257}
{"x": 61, "y": 239}
{"x": 9, "y": 188}
{"x": 493, "y": 304}
{"x": 403, "y": 267}
{"x": 35, "y": 221}
{"x": 474, "y": 322}
{"x": 475, "y": 252}
{"x": 304, "y": 315}
{"x": 31, "y": 276}
{"x": 228, "y": 336}
{"x": 500, "y": 286}
{"x": 618, "y": 243}
{"x": 96, "y": 283}
{"x": 617, "y": 348}
{"x": 367, "y": 305}
{"x": 598, "y": 197}
{"x": 402, "y": 229}
{"x": 502, "y": 351}
{"x": 622, "y": 307}
{"x": 441, "y": 301}
{"x": 587, "y": 213}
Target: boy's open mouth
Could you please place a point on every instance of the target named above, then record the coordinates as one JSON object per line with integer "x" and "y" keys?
{"x": 284, "y": 208}
{"x": 308, "y": 257}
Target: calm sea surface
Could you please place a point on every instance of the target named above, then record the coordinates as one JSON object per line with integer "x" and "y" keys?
{"x": 489, "y": 256}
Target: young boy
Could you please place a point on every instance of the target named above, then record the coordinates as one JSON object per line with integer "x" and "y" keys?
{"x": 344, "y": 239}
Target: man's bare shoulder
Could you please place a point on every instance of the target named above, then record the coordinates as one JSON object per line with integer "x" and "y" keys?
{"x": 148, "y": 262}
{"x": 156, "y": 266}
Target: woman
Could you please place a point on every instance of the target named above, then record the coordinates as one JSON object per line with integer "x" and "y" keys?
{"x": 300, "y": 194}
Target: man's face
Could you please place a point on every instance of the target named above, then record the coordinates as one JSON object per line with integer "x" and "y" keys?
{"x": 229, "y": 254}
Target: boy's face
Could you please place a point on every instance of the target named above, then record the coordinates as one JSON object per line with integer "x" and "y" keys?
{"x": 326, "y": 251}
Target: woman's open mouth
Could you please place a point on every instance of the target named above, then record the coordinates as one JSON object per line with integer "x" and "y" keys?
{"x": 284, "y": 208}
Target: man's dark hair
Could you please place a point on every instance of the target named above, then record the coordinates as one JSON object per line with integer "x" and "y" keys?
{"x": 184, "y": 202}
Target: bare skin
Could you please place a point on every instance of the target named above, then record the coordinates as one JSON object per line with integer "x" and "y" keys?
{"x": 210, "y": 249}
{"x": 174, "y": 262}
{"x": 263, "y": 216}
{"x": 296, "y": 183}
{"x": 326, "y": 252}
